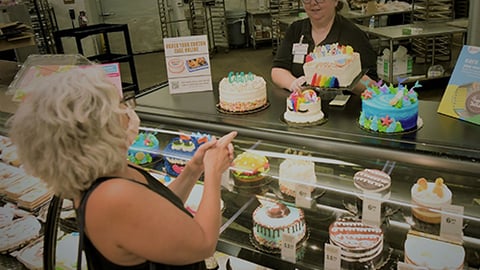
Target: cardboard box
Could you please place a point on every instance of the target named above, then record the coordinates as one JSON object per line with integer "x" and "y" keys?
{"x": 26, "y": 40}
{"x": 399, "y": 67}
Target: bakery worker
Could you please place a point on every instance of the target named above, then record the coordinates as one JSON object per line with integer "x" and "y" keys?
{"x": 323, "y": 26}
{"x": 73, "y": 131}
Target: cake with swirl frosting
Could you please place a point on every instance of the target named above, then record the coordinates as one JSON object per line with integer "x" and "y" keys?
{"x": 332, "y": 66}
{"x": 272, "y": 219}
{"x": 359, "y": 243}
{"x": 240, "y": 92}
{"x": 389, "y": 109}
{"x": 303, "y": 107}
{"x": 428, "y": 198}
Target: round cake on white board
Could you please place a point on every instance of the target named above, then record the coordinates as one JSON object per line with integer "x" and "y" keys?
{"x": 433, "y": 254}
{"x": 272, "y": 219}
{"x": 303, "y": 107}
{"x": 332, "y": 66}
{"x": 240, "y": 92}
{"x": 373, "y": 181}
{"x": 296, "y": 171}
{"x": 359, "y": 243}
{"x": 428, "y": 196}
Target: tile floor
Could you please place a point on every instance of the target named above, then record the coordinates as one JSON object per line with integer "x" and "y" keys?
{"x": 151, "y": 69}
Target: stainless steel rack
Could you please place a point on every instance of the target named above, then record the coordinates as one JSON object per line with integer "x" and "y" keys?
{"x": 281, "y": 9}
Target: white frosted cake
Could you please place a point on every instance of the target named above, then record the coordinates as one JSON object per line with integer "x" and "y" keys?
{"x": 296, "y": 171}
{"x": 240, "y": 92}
{"x": 433, "y": 254}
{"x": 271, "y": 219}
{"x": 428, "y": 196}
{"x": 303, "y": 107}
{"x": 332, "y": 66}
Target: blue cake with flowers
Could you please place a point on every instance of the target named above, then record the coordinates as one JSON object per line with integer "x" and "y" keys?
{"x": 144, "y": 149}
{"x": 180, "y": 150}
{"x": 389, "y": 109}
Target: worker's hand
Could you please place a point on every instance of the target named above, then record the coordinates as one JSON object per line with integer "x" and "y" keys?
{"x": 296, "y": 85}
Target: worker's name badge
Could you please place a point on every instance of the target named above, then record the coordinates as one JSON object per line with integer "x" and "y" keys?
{"x": 299, "y": 50}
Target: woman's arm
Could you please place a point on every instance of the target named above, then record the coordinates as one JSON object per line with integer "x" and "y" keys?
{"x": 129, "y": 223}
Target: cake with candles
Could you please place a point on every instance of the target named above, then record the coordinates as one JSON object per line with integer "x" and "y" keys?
{"x": 272, "y": 219}
{"x": 180, "y": 150}
{"x": 303, "y": 107}
{"x": 332, "y": 66}
{"x": 240, "y": 92}
{"x": 144, "y": 149}
{"x": 389, "y": 109}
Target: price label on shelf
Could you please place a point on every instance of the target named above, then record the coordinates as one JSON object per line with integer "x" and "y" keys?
{"x": 451, "y": 227}
{"x": 288, "y": 249}
{"x": 303, "y": 196}
{"x": 405, "y": 266}
{"x": 371, "y": 209}
{"x": 333, "y": 259}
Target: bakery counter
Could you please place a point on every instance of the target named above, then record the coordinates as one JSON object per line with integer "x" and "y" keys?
{"x": 448, "y": 143}
{"x": 442, "y": 147}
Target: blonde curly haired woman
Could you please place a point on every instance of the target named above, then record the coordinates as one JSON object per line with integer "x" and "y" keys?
{"x": 73, "y": 131}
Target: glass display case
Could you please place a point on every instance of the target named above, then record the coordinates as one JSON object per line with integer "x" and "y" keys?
{"x": 441, "y": 148}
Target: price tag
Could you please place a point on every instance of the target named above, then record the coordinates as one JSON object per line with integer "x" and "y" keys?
{"x": 289, "y": 250}
{"x": 333, "y": 259}
{"x": 371, "y": 209}
{"x": 451, "y": 227}
{"x": 405, "y": 266}
{"x": 303, "y": 196}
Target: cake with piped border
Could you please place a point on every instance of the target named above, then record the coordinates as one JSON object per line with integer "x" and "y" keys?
{"x": 272, "y": 219}
{"x": 389, "y": 109}
{"x": 359, "y": 243}
{"x": 332, "y": 66}
{"x": 373, "y": 181}
{"x": 240, "y": 92}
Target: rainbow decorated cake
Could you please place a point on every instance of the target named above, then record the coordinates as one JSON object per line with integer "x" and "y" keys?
{"x": 359, "y": 243}
{"x": 272, "y": 219}
{"x": 428, "y": 196}
{"x": 144, "y": 149}
{"x": 303, "y": 107}
{"x": 332, "y": 66}
{"x": 240, "y": 92}
{"x": 389, "y": 109}
{"x": 180, "y": 150}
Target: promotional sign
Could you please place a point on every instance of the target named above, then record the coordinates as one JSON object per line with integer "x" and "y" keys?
{"x": 188, "y": 64}
{"x": 462, "y": 96}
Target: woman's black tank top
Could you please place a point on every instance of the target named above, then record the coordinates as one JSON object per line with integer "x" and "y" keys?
{"x": 95, "y": 260}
